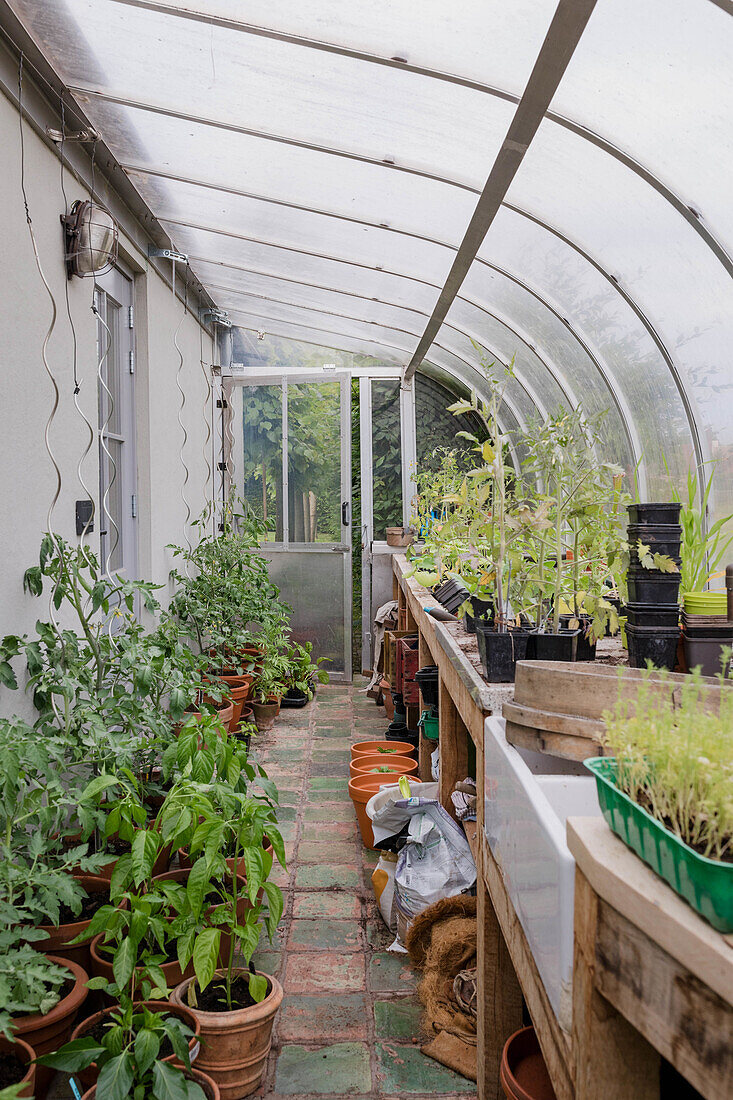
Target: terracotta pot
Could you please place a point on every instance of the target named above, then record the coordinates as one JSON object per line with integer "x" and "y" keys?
{"x": 361, "y": 789}
{"x": 89, "y": 1075}
{"x": 225, "y": 712}
{"x": 235, "y": 1045}
{"x": 58, "y": 937}
{"x": 381, "y": 748}
{"x": 367, "y": 765}
{"x": 211, "y": 1089}
{"x": 102, "y": 966}
{"x": 388, "y": 700}
{"x": 238, "y": 679}
{"x": 247, "y": 716}
{"x": 25, "y": 1054}
{"x": 47, "y": 1033}
{"x": 266, "y": 713}
{"x": 239, "y": 689}
{"x": 523, "y": 1073}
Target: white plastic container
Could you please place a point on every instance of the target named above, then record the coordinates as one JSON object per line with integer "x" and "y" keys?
{"x": 528, "y": 798}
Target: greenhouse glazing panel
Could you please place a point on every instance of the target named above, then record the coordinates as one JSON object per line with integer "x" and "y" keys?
{"x": 313, "y": 586}
{"x": 262, "y": 476}
{"x": 386, "y": 457}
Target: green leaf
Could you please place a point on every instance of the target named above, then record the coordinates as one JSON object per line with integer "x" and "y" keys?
{"x": 258, "y": 987}
{"x": 116, "y": 1077}
{"x": 147, "y": 1045}
{"x": 144, "y": 852}
{"x": 198, "y": 881}
{"x": 169, "y": 1082}
{"x": 206, "y": 955}
{"x": 123, "y": 963}
{"x": 73, "y": 1056}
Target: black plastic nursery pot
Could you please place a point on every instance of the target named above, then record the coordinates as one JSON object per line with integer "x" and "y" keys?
{"x": 562, "y": 646}
{"x": 662, "y": 538}
{"x": 652, "y": 586}
{"x": 665, "y": 616}
{"x": 500, "y": 652}
{"x": 586, "y": 649}
{"x": 294, "y": 697}
{"x": 655, "y": 644}
{"x": 427, "y": 681}
{"x": 706, "y": 652}
{"x": 657, "y": 512}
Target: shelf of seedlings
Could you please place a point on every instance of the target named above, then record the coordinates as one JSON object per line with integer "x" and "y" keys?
{"x": 650, "y": 978}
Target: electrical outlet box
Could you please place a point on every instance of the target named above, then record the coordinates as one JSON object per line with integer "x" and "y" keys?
{"x": 84, "y": 513}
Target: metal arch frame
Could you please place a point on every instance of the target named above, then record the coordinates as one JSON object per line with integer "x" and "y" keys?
{"x": 688, "y": 213}
{"x": 524, "y": 338}
{"x": 519, "y": 378}
{"x": 615, "y": 392}
{"x": 518, "y": 415}
{"x": 528, "y": 387}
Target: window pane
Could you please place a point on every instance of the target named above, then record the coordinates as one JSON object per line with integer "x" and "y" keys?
{"x": 386, "y": 457}
{"x": 262, "y": 480}
{"x": 314, "y": 461}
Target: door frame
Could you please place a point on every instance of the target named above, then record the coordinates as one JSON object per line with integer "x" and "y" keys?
{"x": 344, "y": 547}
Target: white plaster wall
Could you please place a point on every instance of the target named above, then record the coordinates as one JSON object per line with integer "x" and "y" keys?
{"x": 27, "y": 481}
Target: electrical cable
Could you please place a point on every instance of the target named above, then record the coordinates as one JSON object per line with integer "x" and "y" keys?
{"x": 49, "y": 372}
{"x": 182, "y": 406}
{"x": 75, "y": 357}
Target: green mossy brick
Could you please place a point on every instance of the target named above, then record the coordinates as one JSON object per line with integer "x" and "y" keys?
{"x": 404, "y": 1071}
{"x": 333, "y": 905}
{"x": 398, "y": 1018}
{"x": 324, "y": 935}
{"x": 391, "y": 973}
{"x": 330, "y": 812}
{"x": 341, "y": 1069}
{"x": 322, "y": 876}
{"x": 310, "y": 1019}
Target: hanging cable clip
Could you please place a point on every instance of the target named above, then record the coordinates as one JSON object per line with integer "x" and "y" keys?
{"x": 75, "y": 135}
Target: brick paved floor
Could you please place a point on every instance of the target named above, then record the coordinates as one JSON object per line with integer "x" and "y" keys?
{"x": 350, "y": 1020}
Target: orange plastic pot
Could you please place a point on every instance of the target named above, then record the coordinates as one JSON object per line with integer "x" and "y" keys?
{"x": 25, "y": 1054}
{"x": 88, "y": 1076}
{"x": 523, "y": 1073}
{"x": 235, "y": 1045}
{"x": 369, "y": 765}
{"x": 381, "y": 748}
{"x": 49, "y": 1032}
{"x": 361, "y": 789}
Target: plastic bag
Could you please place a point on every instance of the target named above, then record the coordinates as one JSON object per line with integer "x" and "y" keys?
{"x": 383, "y": 883}
{"x": 435, "y": 862}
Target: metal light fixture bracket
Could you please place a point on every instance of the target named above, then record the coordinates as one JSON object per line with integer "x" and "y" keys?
{"x": 216, "y": 316}
{"x": 167, "y": 254}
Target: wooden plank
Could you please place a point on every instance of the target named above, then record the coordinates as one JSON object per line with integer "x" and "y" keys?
{"x": 499, "y": 991}
{"x": 554, "y": 1042}
{"x": 425, "y": 751}
{"x": 619, "y": 877}
{"x": 680, "y": 1016}
{"x": 453, "y": 747}
{"x": 555, "y": 744}
{"x": 569, "y": 724}
{"x": 612, "y": 1060}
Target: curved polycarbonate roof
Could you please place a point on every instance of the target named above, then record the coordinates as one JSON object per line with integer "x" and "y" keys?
{"x": 320, "y": 165}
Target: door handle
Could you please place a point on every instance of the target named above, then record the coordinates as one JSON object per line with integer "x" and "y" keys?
{"x": 345, "y": 514}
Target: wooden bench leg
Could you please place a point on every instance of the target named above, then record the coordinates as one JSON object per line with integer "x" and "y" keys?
{"x": 453, "y": 748}
{"x": 499, "y": 994}
{"x": 612, "y": 1060}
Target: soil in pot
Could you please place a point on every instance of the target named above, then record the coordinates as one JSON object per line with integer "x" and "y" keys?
{"x": 16, "y": 1065}
{"x": 234, "y": 1043}
{"x": 383, "y": 765}
{"x": 58, "y": 941}
{"x": 210, "y": 1088}
{"x": 49, "y": 1032}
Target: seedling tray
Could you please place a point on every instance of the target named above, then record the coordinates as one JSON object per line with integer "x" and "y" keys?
{"x": 705, "y": 884}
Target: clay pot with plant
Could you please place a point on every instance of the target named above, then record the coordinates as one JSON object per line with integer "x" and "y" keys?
{"x": 387, "y": 764}
{"x": 17, "y": 1071}
{"x": 135, "y": 1049}
{"x": 235, "y": 1006}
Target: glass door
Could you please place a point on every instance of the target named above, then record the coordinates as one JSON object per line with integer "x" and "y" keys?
{"x": 297, "y": 477}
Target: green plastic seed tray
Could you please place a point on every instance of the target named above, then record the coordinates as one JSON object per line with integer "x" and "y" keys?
{"x": 705, "y": 884}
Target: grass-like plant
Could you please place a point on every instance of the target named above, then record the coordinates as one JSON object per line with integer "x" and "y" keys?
{"x": 676, "y": 760}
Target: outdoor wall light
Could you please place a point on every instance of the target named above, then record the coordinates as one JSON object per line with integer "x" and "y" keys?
{"x": 90, "y": 239}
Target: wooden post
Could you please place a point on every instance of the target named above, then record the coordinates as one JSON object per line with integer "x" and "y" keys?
{"x": 453, "y": 747}
{"x": 612, "y": 1060}
{"x": 499, "y": 994}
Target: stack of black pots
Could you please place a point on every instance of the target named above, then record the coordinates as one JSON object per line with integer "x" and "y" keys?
{"x": 451, "y": 594}
{"x": 653, "y": 612}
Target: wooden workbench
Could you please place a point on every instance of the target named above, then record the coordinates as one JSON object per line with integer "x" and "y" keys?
{"x": 650, "y": 977}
